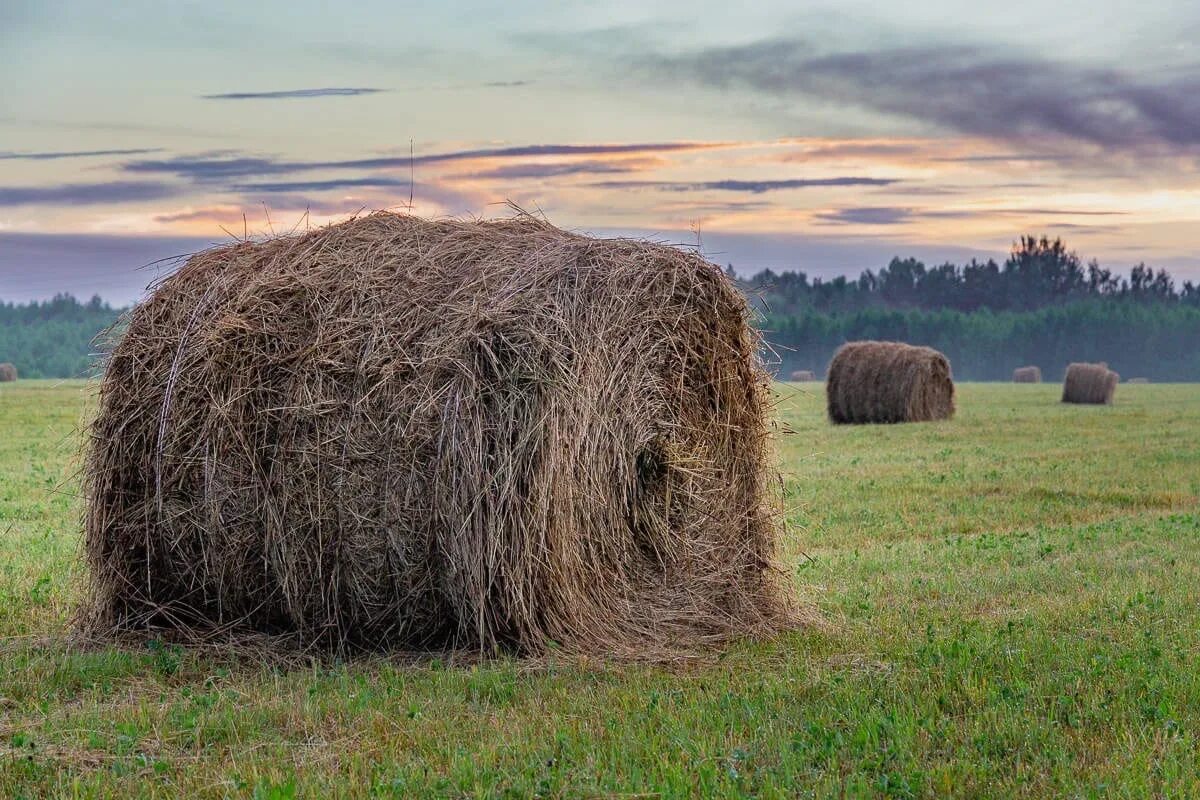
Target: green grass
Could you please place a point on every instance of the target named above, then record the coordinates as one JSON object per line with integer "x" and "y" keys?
{"x": 1011, "y": 606}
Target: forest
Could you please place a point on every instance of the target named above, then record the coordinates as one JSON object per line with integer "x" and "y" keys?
{"x": 1041, "y": 306}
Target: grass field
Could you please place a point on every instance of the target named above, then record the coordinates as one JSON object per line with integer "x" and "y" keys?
{"x": 1011, "y": 606}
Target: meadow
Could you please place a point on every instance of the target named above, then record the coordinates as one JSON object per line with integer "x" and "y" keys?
{"x": 1009, "y": 605}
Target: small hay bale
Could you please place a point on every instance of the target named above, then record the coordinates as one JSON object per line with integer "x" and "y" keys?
{"x": 1138, "y": 380}
{"x": 1027, "y": 375}
{"x": 8, "y": 373}
{"x": 803, "y": 376}
{"x": 885, "y": 382}
{"x": 1092, "y": 384}
{"x": 395, "y": 433}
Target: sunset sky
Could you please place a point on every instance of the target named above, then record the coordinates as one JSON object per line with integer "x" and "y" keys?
{"x": 825, "y": 137}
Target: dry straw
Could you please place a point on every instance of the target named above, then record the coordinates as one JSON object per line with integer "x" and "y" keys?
{"x": 8, "y": 373}
{"x": 883, "y": 382}
{"x": 803, "y": 376}
{"x": 1089, "y": 383}
{"x": 1027, "y": 375}
{"x": 395, "y": 433}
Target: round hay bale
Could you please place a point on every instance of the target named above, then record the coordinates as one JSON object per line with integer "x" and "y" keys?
{"x": 803, "y": 376}
{"x": 395, "y": 433}
{"x": 1092, "y": 384}
{"x": 885, "y": 382}
{"x": 8, "y": 373}
{"x": 1027, "y": 375}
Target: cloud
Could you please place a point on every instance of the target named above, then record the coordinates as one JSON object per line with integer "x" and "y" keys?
{"x": 867, "y": 215}
{"x": 83, "y": 194}
{"x": 971, "y": 90}
{"x": 55, "y": 155}
{"x": 542, "y": 170}
{"x": 753, "y": 187}
{"x": 40, "y": 265}
{"x": 295, "y": 94}
{"x": 505, "y": 84}
{"x": 320, "y": 186}
{"x": 897, "y": 215}
{"x": 206, "y": 167}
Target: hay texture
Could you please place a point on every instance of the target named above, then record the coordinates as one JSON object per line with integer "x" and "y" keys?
{"x": 8, "y": 373}
{"x": 395, "y": 433}
{"x": 885, "y": 382}
{"x": 803, "y": 376}
{"x": 1027, "y": 375}
{"x": 1090, "y": 384}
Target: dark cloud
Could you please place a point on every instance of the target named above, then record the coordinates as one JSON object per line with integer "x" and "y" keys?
{"x": 320, "y": 186}
{"x": 752, "y": 187}
{"x": 206, "y": 167}
{"x": 39, "y": 265}
{"x": 970, "y": 90}
{"x": 1057, "y": 212}
{"x": 868, "y": 215}
{"x": 1005, "y": 158}
{"x": 296, "y": 94}
{"x": 898, "y": 215}
{"x": 55, "y": 155}
{"x": 84, "y": 194}
{"x": 540, "y": 170}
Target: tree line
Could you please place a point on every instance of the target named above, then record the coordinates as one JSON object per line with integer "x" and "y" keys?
{"x": 53, "y": 338}
{"x": 1041, "y": 306}
{"x": 1037, "y": 273}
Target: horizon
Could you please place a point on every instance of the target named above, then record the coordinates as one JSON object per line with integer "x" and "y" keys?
{"x": 825, "y": 140}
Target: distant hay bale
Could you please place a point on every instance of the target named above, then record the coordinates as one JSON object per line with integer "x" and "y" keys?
{"x": 1090, "y": 384}
{"x": 885, "y": 382}
{"x": 1138, "y": 380}
{"x": 8, "y": 373}
{"x": 803, "y": 376}
{"x": 396, "y": 433}
{"x": 1027, "y": 375}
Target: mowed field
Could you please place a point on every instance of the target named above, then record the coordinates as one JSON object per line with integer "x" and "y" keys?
{"x": 1009, "y": 606}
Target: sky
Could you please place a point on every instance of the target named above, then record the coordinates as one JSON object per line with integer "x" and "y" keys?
{"x": 825, "y": 136}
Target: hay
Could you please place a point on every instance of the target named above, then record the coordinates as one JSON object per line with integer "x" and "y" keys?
{"x": 885, "y": 382}
{"x": 803, "y": 376}
{"x": 395, "y": 433}
{"x": 1027, "y": 375}
{"x": 8, "y": 373}
{"x": 1138, "y": 380}
{"x": 1089, "y": 383}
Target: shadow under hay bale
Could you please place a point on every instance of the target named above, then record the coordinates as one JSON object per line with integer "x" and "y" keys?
{"x": 1027, "y": 375}
{"x": 1092, "y": 384}
{"x": 8, "y": 373}
{"x": 803, "y": 376}
{"x": 886, "y": 382}
{"x": 396, "y": 433}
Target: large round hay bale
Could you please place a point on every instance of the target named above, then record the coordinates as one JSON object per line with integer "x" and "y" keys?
{"x": 884, "y": 382}
{"x": 1090, "y": 384}
{"x": 399, "y": 433}
{"x": 803, "y": 376}
{"x": 1027, "y": 375}
{"x": 8, "y": 373}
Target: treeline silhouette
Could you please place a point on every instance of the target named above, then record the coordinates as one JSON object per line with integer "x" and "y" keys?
{"x": 1041, "y": 306}
{"x": 53, "y": 338}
